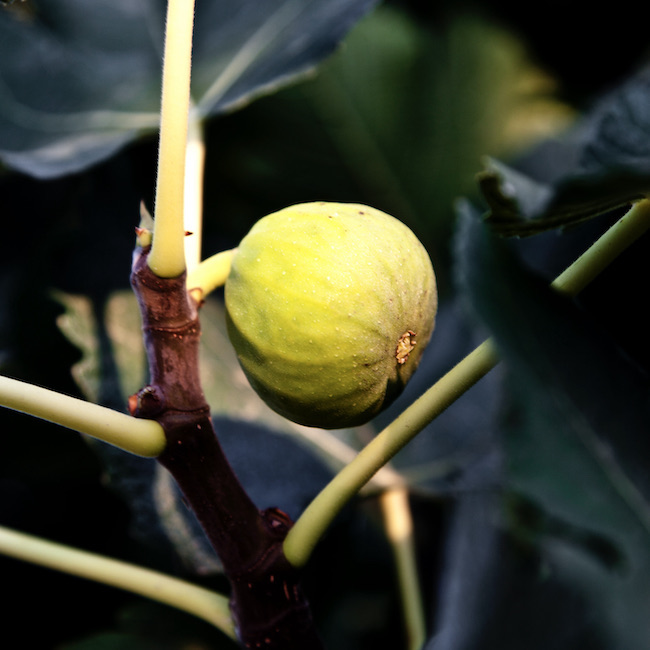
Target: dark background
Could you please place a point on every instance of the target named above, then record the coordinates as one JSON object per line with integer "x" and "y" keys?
{"x": 76, "y": 234}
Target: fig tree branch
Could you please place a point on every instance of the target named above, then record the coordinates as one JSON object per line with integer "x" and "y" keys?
{"x": 267, "y": 602}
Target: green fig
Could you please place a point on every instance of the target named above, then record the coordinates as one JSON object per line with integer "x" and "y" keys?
{"x": 329, "y": 307}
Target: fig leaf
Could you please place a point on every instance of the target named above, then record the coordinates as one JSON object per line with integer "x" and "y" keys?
{"x": 78, "y": 81}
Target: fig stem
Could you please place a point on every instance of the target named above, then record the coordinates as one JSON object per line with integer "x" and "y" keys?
{"x": 209, "y": 274}
{"x": 316, "y": 518}
{"x": 203, "y": 603}
{"x": 398, "y": 524}
{"x": 193, "y": 188}
{"x": 137, "y": 436}
{"x": 634, "y": 223}
{"x": 167, "y": 258}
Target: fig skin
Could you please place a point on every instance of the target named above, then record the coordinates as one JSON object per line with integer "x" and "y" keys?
{"x": 329, "y": 307}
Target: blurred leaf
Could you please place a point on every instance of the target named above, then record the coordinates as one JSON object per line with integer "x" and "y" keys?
{"x": 611, "y": 169}
{"x": 275, "y": 469}
{"x": 619, "y": 128}
{"x": 576, "y": 439}
{"x": 412, "y": 110}
{"x": 499, "y": 594}
{"x": 78, "y": 81}
{"x": 399, "y": 118}
{"x": 520, "y": 206}
{"x": 108, "y": 333}
{"x": 456, "y": 449}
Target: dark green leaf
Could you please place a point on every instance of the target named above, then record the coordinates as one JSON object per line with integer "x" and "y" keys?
{"x": 521, "y": 207}
{"x": 244, "y": 49}
{"x": 79, "y": 80}
{"x": 577, "y": 440}
{"x": 612, "y": 169}
{"x": 497, "y": 594}
{"x": 410, "y": 132}
{"x": 620, "y": 131}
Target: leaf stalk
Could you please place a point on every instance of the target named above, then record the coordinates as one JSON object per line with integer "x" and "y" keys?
{"x": 200, "y": 602}
{"x": 139, "y": 437}
{"x": 167, "y": 259}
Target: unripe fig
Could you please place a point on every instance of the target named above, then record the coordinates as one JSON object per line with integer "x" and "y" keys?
{"x": 329, "y": 307}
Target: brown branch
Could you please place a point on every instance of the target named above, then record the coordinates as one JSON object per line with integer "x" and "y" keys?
{"x": 267, "y": 601}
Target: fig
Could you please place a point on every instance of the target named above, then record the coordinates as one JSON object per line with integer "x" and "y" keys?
{"x": 329, "y": 307}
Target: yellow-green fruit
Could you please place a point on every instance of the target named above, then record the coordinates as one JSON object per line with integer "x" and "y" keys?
{"x": 329, "y": 307}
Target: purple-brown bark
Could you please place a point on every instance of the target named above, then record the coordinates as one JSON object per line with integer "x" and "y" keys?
{"x": 267, "y": 601}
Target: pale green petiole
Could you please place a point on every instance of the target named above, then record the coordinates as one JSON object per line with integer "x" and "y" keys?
{"x": 193, "y": 189}
{"x": 605, "y": 250}
{"x": 310, "y": 526}
{"x": 398, "y": 525}
{"x": 138, "y": 436}
{"x": 200, "y": 602}
{"x": 167, "y": 256}
{"x": 210, "y": 274}
{"x": 313, "y": 522}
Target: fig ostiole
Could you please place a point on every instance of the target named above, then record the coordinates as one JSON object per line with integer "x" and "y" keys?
{"x": 329, "y": 307}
